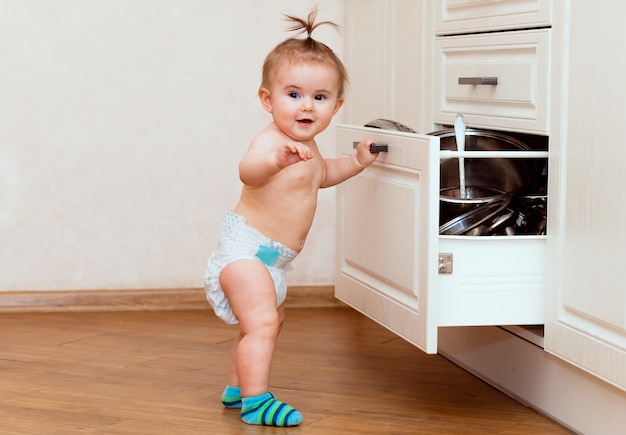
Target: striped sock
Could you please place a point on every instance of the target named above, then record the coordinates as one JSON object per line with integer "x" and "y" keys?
{"x": 231, "y": 397}
{"x": 267, "y": 411}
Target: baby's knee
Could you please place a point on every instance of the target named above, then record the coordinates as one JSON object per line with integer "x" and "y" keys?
{"x": 270, "y": 326}
{"x": 266, "y": 325}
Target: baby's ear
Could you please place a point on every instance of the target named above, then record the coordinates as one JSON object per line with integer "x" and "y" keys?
{"x": 338, "y": 105}
{"x": 266, "y": 99}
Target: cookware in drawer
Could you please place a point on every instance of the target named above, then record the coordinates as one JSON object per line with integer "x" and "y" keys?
{"x": 470, "y": 16}
{"x": 496, "y": 80}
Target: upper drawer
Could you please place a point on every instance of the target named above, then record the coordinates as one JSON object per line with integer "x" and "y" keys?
{"x": 469, "y": 16}
{"x": 520, "y": 63}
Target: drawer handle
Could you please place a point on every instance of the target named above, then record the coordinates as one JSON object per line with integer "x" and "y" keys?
{"x": 478, "y": 81}
{"x": 375, "y": 147}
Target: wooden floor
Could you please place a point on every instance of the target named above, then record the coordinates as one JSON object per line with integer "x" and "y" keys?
{"x": 163, "y": 373}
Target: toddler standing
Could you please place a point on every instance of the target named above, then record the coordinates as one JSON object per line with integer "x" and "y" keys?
{"x": 302, "y": 88}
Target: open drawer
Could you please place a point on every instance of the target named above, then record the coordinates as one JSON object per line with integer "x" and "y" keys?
{"x": 388, "y": 249}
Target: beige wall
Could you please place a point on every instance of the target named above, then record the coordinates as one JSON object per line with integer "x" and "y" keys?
{"x": 121, "y": 126}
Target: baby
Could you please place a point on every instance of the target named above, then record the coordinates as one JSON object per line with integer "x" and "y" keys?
{"x": 302, "y": 88}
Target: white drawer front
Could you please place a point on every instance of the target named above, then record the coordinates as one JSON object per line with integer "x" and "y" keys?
{"x": 519, "y": 61}
{"x": 386, "y": 251}
{"x": 496, "y": 280}
{"x": 469, "y": 16}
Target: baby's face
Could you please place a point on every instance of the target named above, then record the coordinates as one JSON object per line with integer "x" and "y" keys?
{"x": 303, "y": 98}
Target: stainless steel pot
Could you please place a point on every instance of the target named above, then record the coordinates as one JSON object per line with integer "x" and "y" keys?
{"x": 475, "y": 218}
{"x": 487, "y": 180}
{"x": 452, "y": 205}
{"x": 500, "y": 174}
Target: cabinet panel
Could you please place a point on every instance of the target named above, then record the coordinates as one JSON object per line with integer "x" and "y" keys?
{"x": 385, "y": 57}
{"x": 386, "y": 254}
{"x": 366, "y": 26}
{"x": 518, "y": 60}
{"x": 409, "y": 104}
{"x": 587, "y": 309}
{"x": 496, "y": 280}
{"x": 469, "y": 16}
{"x": 380, "y": 231}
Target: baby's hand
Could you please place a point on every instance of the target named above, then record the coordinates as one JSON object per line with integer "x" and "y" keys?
{"x": 292, "y": 152}
{"x": 363, "y": 153}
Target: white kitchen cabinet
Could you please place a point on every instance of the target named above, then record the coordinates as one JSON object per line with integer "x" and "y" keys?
{"x": 586, "y": 315}
{"x": 389, "y": 249}
{"x": 385, "y": 56}
{"x": 579, "y": 105}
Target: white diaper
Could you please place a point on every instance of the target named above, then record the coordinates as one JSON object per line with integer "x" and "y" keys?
{"x": 238, "y": 241}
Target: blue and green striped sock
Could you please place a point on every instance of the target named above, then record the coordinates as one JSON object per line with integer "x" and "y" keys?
{"x": 267, "y": 411}
{"x": 231, "y": 397}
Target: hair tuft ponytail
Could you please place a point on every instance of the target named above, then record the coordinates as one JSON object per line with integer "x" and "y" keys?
{"x": 307, "y": 26}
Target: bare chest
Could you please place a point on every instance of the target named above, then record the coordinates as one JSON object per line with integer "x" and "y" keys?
{"x": 307, "y": 174}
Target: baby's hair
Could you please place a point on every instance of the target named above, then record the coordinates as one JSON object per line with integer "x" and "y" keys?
{"x": 307, "y": 50}
{"x": 309, "y": 25}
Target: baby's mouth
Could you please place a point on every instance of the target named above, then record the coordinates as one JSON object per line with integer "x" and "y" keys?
{"x": 305, "y": 121}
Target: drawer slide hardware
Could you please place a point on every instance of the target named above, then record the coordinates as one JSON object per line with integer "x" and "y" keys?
{"x": 445, "y": 263}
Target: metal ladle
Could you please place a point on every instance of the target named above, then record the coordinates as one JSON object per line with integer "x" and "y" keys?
{"x": 459, "y": 133}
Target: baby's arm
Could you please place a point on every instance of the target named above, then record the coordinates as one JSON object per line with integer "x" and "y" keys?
{"x": 262, "y": 161}
{"x": 339, "y": 170}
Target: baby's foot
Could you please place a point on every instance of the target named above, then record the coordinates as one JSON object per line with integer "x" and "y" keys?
{"x": 231, "y": 397}
{"x": 266, "y": 410}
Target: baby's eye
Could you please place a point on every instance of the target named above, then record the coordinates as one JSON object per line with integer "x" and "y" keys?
{"x": 294, "y": 94}
{"x": 320, "y": 97}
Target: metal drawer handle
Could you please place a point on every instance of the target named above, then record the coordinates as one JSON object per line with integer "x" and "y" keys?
{"x": 478, "y": 81}
{"x": 375, "y": 147}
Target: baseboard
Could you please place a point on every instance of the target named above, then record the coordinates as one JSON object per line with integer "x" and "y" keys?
{"x": 144, "y": 299}
{"x": 312, "y": 297}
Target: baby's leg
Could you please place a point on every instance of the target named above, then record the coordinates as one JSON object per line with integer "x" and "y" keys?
{"x": 233, "y": 379}
{"x": 231, "y": 398}
{"x": 250, "y": 291}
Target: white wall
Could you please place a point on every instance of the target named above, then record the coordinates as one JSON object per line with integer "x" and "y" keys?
{"x": 121, "y": 127}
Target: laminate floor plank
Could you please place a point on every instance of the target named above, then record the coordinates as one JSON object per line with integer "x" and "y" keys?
{"x": 163, "y": 373}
